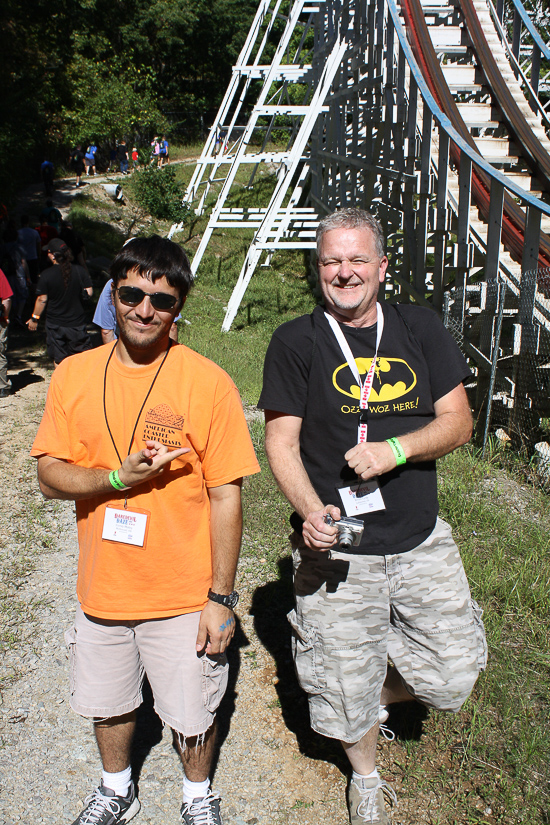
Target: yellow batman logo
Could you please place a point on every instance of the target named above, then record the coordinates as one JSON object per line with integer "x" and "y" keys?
{"x": 393, "y": 378}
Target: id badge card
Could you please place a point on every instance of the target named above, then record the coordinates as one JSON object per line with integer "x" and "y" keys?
{"x": 361, "y": 497}
{"x": 126, "y": 525}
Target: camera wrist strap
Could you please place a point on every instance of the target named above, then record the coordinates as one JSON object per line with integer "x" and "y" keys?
{"x": 365, "y": 386}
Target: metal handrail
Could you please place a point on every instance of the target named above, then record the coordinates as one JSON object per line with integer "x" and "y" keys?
{"x": 446, "y": 124}
{"x": 534, "y": 99}
{"x": 528, "y": 23}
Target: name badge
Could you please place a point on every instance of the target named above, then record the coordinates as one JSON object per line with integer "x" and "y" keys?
{"x": 125, "y": 525}
{"x": 362, "y": 497}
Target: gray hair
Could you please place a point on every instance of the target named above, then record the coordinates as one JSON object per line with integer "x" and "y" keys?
{"x": 353, "y": 218}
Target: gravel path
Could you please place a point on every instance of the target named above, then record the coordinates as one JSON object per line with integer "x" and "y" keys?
{"x": 48, "y": 756}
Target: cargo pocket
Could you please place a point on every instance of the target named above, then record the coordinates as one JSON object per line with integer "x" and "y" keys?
{"x": 214, "y": 676}
{"x": 480, "y": 635}
{"x": 308, "y": 654}
{"x": 70, "y": 641}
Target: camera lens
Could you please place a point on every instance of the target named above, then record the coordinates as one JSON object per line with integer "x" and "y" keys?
{"x": 345, "y": 539}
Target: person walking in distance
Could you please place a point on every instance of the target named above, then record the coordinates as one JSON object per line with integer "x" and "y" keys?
{"x": 360, "y": 399}
{"x": 135, "y": 433}
{"x": 63, "y": 288}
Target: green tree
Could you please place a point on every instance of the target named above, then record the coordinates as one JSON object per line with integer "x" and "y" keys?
{"x": 76, "y": 69}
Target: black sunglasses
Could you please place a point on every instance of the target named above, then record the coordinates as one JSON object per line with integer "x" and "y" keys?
{"x": 132, "y": 296}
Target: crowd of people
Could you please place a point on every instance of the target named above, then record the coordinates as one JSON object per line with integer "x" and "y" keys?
{"x": 115, "y": 158}
{"x": 360, "y": 399}
{"x": 51, "y": 256}
{"x": 43, "y": 265}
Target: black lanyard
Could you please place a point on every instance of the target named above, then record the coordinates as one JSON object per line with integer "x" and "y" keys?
{"x": 142, "y": 406}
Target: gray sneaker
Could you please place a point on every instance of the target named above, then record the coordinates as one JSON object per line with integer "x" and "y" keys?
{"x": 202, "y": 811}
{"x": 366, "y": 802}
{"x": 104, "y": 807}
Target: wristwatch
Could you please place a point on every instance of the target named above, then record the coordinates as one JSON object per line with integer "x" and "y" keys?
{"x": 228, "y": 601}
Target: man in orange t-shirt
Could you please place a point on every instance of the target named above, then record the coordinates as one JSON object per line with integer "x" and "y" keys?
{"x": 155, "y": 468}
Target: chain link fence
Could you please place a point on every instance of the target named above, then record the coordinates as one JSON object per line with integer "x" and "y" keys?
{"x": 503, "y": 329}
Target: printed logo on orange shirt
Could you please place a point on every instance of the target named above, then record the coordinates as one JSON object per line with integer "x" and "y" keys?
{"x": 161, "y": 424}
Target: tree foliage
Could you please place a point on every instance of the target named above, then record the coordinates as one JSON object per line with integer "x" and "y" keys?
{"x": 158, "y": 192}
{"x": 73, "y": 70}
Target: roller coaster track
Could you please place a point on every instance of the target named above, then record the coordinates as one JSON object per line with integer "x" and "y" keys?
{"x": 378, "y": 126}
{"x": 536, "y": 152}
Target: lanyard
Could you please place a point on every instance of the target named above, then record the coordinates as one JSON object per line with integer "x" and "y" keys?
{"x": 142, "y": 406}
{"x": 366, "y": 386}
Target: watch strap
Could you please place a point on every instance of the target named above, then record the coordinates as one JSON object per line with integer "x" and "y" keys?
{"x": 228, "y": 600}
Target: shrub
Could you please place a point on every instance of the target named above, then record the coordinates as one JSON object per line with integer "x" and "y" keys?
{"x": 157, "y": 191}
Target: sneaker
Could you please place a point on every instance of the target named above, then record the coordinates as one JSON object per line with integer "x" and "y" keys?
{"x": 104, "y": 807}
{"x": 202, "y": 811}
{"x": 366, "y": 802}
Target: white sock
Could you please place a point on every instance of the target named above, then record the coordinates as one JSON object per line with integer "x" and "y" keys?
{"x": 357, "y": 777}
{"x": 118, "y": 782}
{"x": 194, "y": 790}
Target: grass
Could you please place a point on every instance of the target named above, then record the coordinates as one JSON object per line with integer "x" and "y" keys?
{"x": 502, "y": 527}
{"x": 488, "y": 763}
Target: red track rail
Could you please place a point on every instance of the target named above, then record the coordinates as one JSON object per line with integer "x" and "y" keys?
{"x": 513, "y": 218}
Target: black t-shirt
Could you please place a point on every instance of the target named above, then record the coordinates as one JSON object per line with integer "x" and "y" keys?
{"x": 307, "y": 375}
{"x": 64, "y": 307}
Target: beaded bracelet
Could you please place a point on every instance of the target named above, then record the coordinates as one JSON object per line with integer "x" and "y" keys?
{"x": 397, "y": 450}
{"x": 116, "y": 482}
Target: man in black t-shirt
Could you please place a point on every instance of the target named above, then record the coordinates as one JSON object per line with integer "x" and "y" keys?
{"x": 360, "y": 400}
{"x": 63, "y": 288}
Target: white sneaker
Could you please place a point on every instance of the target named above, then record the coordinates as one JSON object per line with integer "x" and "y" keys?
{"x": 366, "y": 802}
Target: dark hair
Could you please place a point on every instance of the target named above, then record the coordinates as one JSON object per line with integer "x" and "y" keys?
{"x": 352, "y": 218}
{"x": 64, "y": 259}
{"x": 154, "y": 258}
{"x": 24, "y": 220}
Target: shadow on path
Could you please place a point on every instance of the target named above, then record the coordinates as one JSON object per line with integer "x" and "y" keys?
{"x": 270, "y": 604}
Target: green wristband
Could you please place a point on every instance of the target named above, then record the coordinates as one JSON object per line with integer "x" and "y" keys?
{"x": 116, "y": 482}
{"x": 397, "y": 450}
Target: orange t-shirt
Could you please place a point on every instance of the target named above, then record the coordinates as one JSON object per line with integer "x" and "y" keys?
{"x": 193, "y": 403}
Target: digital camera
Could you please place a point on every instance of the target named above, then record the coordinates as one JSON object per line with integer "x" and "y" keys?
{"x": 350, "y": 531}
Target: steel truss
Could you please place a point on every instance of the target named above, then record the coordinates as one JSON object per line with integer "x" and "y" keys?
{"x": 368, "y": 132}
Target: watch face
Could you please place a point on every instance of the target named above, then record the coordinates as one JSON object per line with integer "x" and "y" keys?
{"x": 229, "y": 600}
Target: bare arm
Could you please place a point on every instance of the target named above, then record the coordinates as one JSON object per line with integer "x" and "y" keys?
{"x": 107, "y": 335}
{"x": 217, "y": 622}
{"x": 89, "y": 291}
{"x": 39, "y": 307}
{"x": 6, "y": 306}
{"x": 61, "y": 480}
{"x": 282, "y": 444}
{"x": 451, "y": 427}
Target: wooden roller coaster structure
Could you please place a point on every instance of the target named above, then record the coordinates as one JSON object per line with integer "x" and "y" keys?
{"x": 420, "y": 112}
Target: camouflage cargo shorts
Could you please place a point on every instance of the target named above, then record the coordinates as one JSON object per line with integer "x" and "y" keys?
{"x": 353, "y": 612}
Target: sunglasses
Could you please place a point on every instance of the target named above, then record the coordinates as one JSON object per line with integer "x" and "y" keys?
{"x": 132, "y": 296}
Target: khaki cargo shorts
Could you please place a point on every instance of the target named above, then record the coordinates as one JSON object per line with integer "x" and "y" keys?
{"x": 108, "y": 661}
{"x": 353, "y": 612}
